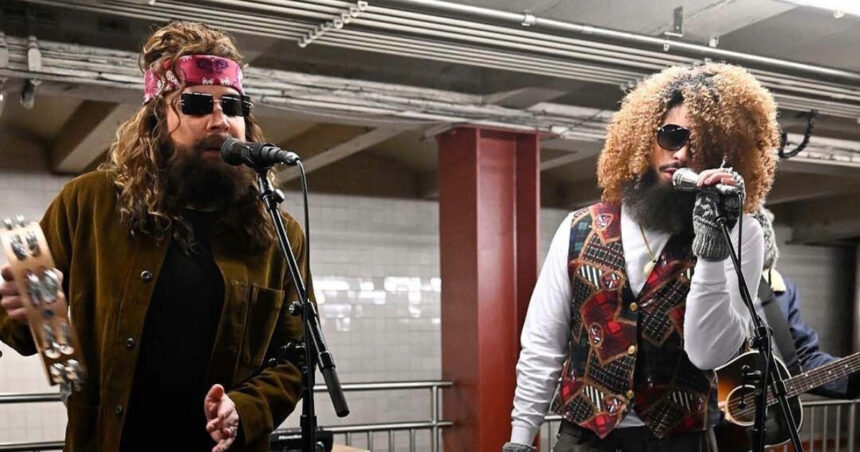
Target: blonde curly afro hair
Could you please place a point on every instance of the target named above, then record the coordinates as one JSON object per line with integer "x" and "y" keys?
{"x": 732, "y": 116}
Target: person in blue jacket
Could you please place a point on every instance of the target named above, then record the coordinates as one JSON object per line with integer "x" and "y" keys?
{"x": 808, "y": 355}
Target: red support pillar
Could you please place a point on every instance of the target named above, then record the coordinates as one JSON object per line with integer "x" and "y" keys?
{"x": 489, "y": 204}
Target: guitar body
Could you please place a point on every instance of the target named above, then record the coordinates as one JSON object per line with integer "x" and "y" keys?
{"x": 736, "y": 399}
{"x": 41, "y": 293}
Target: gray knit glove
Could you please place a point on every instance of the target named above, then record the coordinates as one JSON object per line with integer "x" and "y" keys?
{"x": 709, "y": 243}
{"x": 514, "y": 447}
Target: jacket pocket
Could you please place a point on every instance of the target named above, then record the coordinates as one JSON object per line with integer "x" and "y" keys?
{"x": 264, "y": 306}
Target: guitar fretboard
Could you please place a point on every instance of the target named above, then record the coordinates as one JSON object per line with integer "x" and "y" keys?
{"x": 808, "y": 380}
{"x": 814, "y": 378}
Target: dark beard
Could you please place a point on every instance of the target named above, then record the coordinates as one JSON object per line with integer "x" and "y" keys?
{"x": 658, "y": 206}
{"x": 193, "y": 181}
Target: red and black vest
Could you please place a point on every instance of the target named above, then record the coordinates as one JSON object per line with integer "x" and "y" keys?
{"x": 628, "y": 351}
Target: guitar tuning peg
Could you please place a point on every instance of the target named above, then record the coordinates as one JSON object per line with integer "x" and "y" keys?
{"x": 20, "y": 220}
{"x": 8, "y": 223}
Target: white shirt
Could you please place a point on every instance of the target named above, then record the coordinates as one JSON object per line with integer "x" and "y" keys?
{"x": 715, "y": 324}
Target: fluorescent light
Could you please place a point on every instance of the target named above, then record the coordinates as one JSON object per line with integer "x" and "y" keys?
{"x": 838, "y": 7}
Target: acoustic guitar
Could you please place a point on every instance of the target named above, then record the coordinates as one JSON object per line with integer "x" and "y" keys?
{"x": 736, "y": 398}
{"x": 42, "y": 295}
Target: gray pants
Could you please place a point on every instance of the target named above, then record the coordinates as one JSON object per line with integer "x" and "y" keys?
{"x": 573, "y": 438}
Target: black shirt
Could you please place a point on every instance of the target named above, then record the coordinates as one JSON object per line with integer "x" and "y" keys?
{"x": 165, "y": 411}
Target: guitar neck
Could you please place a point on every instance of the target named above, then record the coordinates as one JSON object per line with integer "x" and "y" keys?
{"x": 814, "y": 378}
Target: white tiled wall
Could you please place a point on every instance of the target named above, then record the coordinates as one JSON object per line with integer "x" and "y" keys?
{"x": 376, "y": 271}
{"x": 824, "y": 276}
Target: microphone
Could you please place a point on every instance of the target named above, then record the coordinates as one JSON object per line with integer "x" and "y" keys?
{"x": 685, "y": 179}
{"x": 256, "y": 155}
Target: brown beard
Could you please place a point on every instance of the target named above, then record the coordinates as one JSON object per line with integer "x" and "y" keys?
{"x": 196, "y": 182}
{"x": 192, "y": 180}
{"x": 658, "y": 206}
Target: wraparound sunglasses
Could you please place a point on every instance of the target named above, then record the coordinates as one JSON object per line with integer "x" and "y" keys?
{"x": 672, "y": 137}
{"x": 199, "y": 104}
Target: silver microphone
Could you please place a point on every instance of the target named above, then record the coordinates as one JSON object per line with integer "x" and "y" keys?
{"x": 685, "y": 179}
{"x": 256, "y": 155}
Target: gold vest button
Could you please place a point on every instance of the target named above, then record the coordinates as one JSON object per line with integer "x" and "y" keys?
{"x": 630, "y": 395}
{"x": 631, "y": 350}
{"x": 634, "y": 307}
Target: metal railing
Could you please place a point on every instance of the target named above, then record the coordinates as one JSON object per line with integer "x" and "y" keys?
{"x": 821, "y": 418}
{"x": 433, "y": 425}
{"x": 823, "y": 429}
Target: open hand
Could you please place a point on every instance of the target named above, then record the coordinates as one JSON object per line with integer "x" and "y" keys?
{"x": 222, "y": 419}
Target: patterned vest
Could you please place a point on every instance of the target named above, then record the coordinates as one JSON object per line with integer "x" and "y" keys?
{"x": 627, "y": 351}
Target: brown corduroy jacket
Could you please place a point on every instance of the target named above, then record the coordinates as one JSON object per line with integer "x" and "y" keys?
{"x": 109, "y": 279}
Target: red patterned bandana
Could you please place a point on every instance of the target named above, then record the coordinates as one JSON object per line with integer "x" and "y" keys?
{"x": 193, "y": 70}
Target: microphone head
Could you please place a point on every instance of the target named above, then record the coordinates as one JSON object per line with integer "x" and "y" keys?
{"x": 685, "y": 179}
{"x": 232, "y": 151}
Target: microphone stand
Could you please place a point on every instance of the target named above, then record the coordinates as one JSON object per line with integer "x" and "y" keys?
{"x": 314, "y": 343}
{"x": 761, "y": 340}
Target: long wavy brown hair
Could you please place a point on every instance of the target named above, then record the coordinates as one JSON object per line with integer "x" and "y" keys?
{"x": 733, "y": 117}
{"x": 138, "y": 158}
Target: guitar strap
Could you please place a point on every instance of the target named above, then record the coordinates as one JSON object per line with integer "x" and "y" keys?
{"x": 779, "y": 325}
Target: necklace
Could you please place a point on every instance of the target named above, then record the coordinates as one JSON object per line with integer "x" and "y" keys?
{"x": 650, "y": 265}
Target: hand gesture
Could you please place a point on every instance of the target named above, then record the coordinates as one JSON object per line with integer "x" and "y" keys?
{"x": 222, "y": 419}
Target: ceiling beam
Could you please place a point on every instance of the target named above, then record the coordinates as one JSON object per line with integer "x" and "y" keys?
{"x": 20, "y": 149}
{"x": 720, "y": 18}
{"x": 574, "y": 152}
{"x": 326, "y": 144}
{"x": 86, "y": 134}
{"x": 365, "y": 174}
{"x": 794, "y": 187}
{"x": 523, "y": 97}
{"x": 819, "y": 166}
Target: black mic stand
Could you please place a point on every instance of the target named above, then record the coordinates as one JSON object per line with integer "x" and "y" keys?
{"x": 761, "y": 340}
{"x": 314, "y": 344}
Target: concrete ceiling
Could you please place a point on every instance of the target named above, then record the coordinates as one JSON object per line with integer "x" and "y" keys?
{"x": 702, "y": 18}
{"x": 371, "y": 154}
{"x": 807, "y": 34}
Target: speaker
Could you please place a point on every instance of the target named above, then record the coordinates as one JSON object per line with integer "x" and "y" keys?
{"x": 290, "y": 440}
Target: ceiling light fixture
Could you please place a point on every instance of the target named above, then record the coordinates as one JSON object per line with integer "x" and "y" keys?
{"x": 839, "y": 7}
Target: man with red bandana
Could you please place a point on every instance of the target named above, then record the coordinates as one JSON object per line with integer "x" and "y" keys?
{"x": 176, "y": 286}
{"x": 637, "y": 301}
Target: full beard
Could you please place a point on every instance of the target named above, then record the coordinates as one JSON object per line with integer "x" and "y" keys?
{"x": 194, "y": 181}
{"x": 658, "y": 206}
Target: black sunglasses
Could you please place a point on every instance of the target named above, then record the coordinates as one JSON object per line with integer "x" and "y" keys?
{"x": 199, "y": 104}
{"x": 672, "y": 137}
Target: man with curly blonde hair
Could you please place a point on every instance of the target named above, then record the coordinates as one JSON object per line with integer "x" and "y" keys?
{"x": 176, "y": 285}
{"x": 637, "y": 300}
